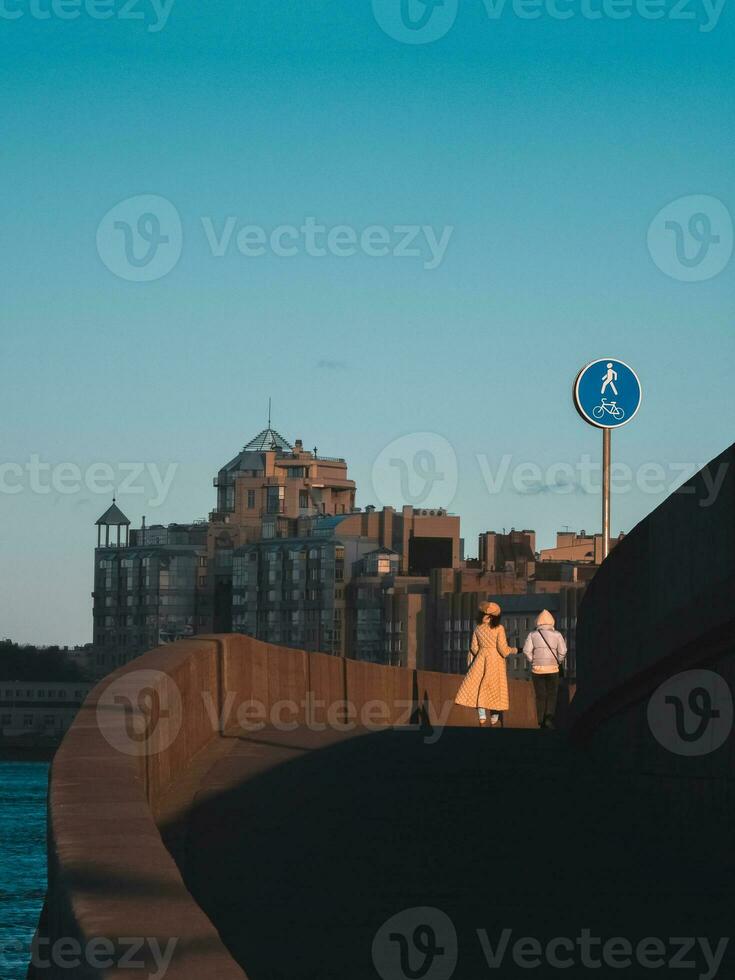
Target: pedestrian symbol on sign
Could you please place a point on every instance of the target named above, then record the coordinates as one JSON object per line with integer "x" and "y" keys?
{"x": 609, "y": 379}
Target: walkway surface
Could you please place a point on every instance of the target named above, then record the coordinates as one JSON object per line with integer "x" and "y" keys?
{"x": 300, "y": 845}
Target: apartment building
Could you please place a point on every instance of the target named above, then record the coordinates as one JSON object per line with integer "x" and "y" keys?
{"x": 353, "y": 585}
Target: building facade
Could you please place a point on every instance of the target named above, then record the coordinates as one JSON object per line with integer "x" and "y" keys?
{"x": 31, "y": 709}
{"x": 351, "y": 585}
{"x": 577, "y": 546}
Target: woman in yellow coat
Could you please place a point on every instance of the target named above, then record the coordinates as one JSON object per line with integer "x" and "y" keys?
{"x": 486, "y": 685}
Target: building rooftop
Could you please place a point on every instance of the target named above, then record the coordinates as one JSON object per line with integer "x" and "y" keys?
{"x": 112, "y": 517}
{"x": 268, "y": 439}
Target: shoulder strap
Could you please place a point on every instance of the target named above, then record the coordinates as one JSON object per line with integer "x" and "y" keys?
{"x": 541, "y": 634}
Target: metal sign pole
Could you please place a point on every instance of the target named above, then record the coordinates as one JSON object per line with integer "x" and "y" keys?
{"x": 605, "y": 493}
{"x": 607, "y": 394}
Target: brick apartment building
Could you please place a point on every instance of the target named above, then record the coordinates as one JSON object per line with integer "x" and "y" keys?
{"x": 350, "y": 584}
{"x": 154, "y": 584}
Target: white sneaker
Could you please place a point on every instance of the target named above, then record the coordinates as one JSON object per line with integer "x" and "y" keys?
{"x": 494, "y": 718}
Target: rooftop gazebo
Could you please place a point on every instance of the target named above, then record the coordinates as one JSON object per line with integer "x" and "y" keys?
{"x": 113, "y": 517}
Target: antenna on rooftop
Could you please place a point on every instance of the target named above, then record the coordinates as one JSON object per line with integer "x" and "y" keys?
{"x": 269, "y": 413}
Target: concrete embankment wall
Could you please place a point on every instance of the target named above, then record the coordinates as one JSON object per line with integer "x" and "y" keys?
{"x": 112, "y": 883}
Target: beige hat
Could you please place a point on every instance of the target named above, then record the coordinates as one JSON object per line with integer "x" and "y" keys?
{"x": 490, "y": 608}
{"x": 545, "y": 618}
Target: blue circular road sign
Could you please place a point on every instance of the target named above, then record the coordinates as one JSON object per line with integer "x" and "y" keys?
{"x": 607, "y": 393}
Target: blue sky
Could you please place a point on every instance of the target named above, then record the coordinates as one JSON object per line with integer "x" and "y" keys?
{"x": 546, "y": 147}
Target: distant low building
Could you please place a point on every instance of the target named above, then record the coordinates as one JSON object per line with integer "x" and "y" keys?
{"x": 31, "y": 709}
{"x": 577, "y": 547}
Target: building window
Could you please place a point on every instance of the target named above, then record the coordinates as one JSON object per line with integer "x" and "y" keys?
{"x": 276, "y": 500}
{"x": 303, "y": 499}
{"x": 251, "y": 499}
{"x": 28, "y": 721}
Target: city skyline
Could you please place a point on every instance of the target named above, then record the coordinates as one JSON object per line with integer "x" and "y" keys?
{"x": 501, "y": 473}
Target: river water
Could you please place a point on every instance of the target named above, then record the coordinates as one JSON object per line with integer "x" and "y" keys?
{"x": 22, "y": 861}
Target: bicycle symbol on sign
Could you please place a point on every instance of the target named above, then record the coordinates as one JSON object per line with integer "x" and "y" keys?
{"x": 611, "y": 408}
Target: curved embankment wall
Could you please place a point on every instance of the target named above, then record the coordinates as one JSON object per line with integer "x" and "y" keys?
{"x": 663, "y": 605}
{"x": 115, "y": 893}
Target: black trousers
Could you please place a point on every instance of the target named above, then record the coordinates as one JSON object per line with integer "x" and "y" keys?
{"x": 546, "y": 687}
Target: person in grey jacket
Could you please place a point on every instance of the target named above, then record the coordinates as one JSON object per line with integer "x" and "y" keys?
{"x": 545, "y": 650}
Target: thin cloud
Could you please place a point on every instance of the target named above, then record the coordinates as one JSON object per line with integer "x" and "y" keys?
{"x": 325, "y": 364}
{"x": 560, "y": 485}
